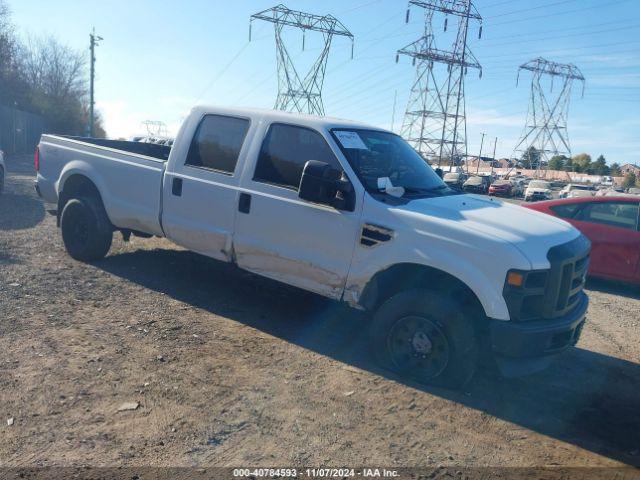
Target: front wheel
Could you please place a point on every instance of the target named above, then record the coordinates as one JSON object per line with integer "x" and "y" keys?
{"x": 424, "y": 337}
{"x": 86, "y": 230}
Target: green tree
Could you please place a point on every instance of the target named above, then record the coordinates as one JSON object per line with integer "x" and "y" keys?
{"x": 629, "y": 180}
{"x": 615, "y": 170}
{"x": 530, "y": 158}
{"x": 600, "y": 167}
{"x": 581, "y": 162}
{"x": 558, "y": 162}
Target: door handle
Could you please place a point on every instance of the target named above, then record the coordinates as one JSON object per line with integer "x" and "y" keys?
{"x": 244, "y": 204}
{"x": 176, "y": 187}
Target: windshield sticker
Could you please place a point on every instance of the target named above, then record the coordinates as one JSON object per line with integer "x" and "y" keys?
{"x": 350, "y": 140}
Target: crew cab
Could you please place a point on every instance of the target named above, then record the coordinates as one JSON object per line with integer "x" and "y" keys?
{"x": 345, "y": 210}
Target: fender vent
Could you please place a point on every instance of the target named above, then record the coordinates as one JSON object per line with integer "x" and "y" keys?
{"x": 373, "y": 235}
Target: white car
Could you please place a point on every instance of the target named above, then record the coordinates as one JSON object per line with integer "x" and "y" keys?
{"x": 573, "y": 190}
{"x": 3, "y": 171}
{"x": 537, "y": 190}
{"x": 348, "y": 211}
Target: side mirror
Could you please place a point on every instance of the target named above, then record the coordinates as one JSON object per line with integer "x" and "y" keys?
{"x": 322, "y": 184}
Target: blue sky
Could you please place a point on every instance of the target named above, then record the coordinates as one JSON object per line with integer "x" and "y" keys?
{"x": 159, "y": 58}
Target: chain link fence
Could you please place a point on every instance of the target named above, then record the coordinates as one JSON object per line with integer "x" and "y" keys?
{"x": 19, "y": 131}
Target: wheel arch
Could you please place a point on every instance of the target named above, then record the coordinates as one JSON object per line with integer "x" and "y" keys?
{"x": 403, "y": 276}
{"x": 76, "y": 184}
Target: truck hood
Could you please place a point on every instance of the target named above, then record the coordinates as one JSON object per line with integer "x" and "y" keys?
{"x": 463, "y": 217}
{"x": 537, "y": 190}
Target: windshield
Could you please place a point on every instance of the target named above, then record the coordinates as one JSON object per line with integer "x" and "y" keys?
{"x": 375, "y": 155}
{"x": 474, "y": 181}
{"x": 539, "y": 184}
{"x": 451, "y": 176}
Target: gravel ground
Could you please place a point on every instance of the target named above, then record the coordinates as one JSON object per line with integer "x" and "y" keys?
{"x": 227, "y": 369}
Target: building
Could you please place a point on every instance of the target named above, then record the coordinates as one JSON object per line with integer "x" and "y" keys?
{"x": 630, "y": 168}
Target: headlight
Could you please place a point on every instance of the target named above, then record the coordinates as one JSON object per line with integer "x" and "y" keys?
{"x": 524, "y": 292}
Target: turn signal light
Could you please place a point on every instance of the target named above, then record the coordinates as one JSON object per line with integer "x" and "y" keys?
{"x": 515, "y": 279}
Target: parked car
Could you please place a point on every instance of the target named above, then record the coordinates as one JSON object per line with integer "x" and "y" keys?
{"x": 477, "y": 184}
{"x": 633, "y": 191}
{"x": 3, "y": 169}
{"x": 502, "y": 188}
{"x": 537, "y": 190}
{"x": 454, "y": 179}
{"x": 342, "y": 209}
{"x": 612, "y": 225}
{"x": 573, "y": 190}
{"x": 517, "y": 186}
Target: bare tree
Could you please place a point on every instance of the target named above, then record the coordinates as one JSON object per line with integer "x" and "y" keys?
{"x": 54, "y": 69}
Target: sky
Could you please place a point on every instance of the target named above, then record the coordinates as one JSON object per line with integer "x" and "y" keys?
{"x": 160, "y": 58}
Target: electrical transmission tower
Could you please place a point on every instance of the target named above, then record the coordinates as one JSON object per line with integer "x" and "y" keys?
{"x": 296, "y": 93}
{"x": 546, "y": 126}
{"x": 434, "y": 122}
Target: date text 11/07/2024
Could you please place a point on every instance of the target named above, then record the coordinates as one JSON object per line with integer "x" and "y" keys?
{"x": 315, "y": 472}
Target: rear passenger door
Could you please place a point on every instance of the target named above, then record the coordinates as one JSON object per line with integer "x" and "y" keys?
{"x": 201, "y": 189}
{"x": 283, "y": 237}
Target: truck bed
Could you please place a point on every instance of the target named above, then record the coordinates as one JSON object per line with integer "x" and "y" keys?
{"x": 161, "y": 152}
{"x": 128, "y": 176}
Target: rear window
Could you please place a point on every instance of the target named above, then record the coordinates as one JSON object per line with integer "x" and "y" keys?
{"x": 621, "y": 215}
{"x": 566, "y": 210}
{"x": 217, "y": 143}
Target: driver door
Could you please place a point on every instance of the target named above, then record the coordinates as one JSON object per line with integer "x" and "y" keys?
{"x": 281, "y": 236}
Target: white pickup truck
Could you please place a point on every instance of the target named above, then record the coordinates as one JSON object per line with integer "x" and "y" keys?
{"x": 345, "y": 210}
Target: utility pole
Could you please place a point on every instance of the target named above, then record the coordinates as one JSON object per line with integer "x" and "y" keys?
{"x": 393, "y": 113}
{"x": 495, "y": 144}
{"x": 480, "y": 155}
{"x": 93, "y": 42}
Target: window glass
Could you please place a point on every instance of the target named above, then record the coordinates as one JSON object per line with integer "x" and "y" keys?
{"x": 622, "y": 215}
{"x": 217, "y": 143}
{"x": 566, "y": 210}
{"x": 376, "y": 155}
{"x": 284, "y": 152}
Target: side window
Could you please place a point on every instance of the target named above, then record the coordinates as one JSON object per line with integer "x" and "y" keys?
{"x": 284, "y": 152}
{"x": 621, "y": 215}
{"x": 217, "y": 142}
{"x": 566, "y": 210}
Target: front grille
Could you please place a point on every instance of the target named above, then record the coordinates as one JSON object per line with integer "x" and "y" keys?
{"x": 555, "y": 292}
{"x": 569, "y": 265}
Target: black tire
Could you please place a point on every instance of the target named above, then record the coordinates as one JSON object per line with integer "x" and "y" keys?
{"x": 441, "y": 346}
{"x": 86, "y": 230}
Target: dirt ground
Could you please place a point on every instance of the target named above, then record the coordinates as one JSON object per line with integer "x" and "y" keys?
{"x": 230, "y": 369}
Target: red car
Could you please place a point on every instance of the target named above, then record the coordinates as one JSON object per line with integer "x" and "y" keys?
{"x": 502, "y": 188}
{"x": 613, "y": 226}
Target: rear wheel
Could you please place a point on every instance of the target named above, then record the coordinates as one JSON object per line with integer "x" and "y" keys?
{"x": 422, "y": 336}
{"x": 86, "y": 230}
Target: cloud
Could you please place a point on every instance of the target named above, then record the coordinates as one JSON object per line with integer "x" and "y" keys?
{"x": 119, "y": 120}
